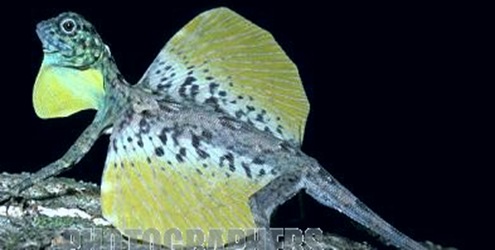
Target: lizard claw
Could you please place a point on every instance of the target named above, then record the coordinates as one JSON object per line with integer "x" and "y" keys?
{"x": 5, "y": 197}
{"x": 8, "y": 196}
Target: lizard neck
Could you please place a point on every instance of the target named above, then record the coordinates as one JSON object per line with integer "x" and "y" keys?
{"x": 116, "y": 90}
{"x": 111, "y": 74}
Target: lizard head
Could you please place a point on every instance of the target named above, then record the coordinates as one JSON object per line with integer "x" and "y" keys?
{"x": 70, "y": 78}
{"x": 69, "y": 40}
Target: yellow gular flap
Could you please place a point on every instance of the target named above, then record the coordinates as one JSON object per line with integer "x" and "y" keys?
{"x": 60, "y": 91}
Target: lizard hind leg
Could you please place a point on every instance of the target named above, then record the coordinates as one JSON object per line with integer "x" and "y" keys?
{"x": 264, "y": 202}
{"x": 320, "y": 185}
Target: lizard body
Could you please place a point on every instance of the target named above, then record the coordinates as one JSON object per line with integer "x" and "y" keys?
{"x": 199, "y": 156}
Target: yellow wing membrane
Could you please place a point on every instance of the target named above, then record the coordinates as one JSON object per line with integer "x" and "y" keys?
{"x": 61, "y": 91}
{"x": 224, "y": 60}
{"x": 163, "y": 178}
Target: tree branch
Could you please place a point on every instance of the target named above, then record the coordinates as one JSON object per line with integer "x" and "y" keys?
{"x": 58, "y": 208}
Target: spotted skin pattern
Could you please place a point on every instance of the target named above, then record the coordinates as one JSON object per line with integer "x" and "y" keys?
{"x": 197, "y": 163}
{"x": 208, "y": 138}
{"x": 222, "y": 60}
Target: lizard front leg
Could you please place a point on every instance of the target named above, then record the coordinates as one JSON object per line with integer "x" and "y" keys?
{"x": 75, "y": 153}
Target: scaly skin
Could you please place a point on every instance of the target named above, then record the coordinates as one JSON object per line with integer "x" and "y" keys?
{"x": 282, "y": 168}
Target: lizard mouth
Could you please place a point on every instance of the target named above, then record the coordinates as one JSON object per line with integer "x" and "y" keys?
{"x": 49, "y": 50}
{"x": 42, "y": 32}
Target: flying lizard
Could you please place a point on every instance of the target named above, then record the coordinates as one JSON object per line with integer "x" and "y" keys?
{"x": 209, "y": 137}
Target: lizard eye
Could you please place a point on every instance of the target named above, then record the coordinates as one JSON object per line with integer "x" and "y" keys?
{"x": 68, "y": 25}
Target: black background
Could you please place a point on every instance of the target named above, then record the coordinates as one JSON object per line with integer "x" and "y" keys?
{"x": 395, "y": 116}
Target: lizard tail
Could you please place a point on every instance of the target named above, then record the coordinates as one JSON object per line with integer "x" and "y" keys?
{"x": 328, "y": 191}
